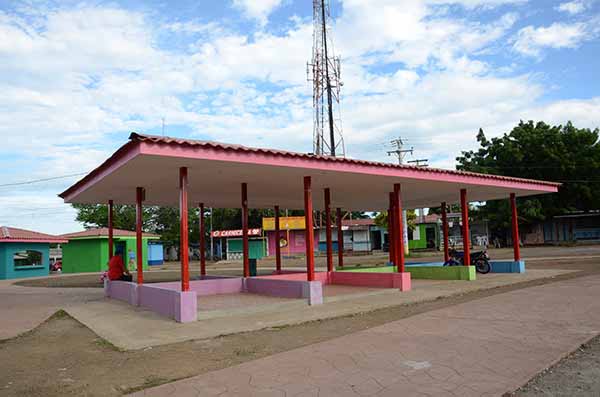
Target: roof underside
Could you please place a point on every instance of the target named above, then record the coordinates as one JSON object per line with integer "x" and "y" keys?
{"x": 276, "y": 178}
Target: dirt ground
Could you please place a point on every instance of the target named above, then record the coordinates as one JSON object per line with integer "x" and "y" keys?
{"x": 63, "y": 357}
{"x": 576, "y": 375}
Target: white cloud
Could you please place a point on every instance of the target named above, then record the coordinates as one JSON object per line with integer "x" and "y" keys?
{"x": 257, "y": 9}
{"x": 531, "y": 40}
{"x": 574, "y": 7}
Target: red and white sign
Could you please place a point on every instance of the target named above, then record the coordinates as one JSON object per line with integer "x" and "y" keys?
{"x": 235, "y": 233}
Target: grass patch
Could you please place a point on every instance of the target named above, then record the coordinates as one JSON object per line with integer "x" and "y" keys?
{"x": 103, "y": 343}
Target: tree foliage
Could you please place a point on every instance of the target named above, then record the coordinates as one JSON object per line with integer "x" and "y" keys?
{"x": 564, "y": 154}
{"x": 381, "y": 219}
{"x": 164, "y": 221}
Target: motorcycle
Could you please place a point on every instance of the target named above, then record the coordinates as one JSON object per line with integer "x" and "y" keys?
{"x": 480, "y": 259}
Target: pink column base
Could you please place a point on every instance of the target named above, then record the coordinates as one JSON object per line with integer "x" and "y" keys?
{"x": 186, "y": 307}
{"x": 402, "y": 281}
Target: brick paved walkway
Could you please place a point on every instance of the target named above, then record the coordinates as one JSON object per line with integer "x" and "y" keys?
{"x": 480, "y": 348}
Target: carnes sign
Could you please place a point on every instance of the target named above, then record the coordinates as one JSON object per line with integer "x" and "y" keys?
{"x": 235, "y": 233}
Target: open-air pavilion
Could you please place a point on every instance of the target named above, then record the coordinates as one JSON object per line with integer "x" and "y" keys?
{"x": 163, "y": 171}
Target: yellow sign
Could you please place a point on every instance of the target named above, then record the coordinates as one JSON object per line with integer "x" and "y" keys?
{"x": 285, "y": 223}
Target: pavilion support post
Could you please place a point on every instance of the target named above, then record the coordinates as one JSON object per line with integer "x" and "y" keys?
{"x": 110, "y": 229}
{"x": 466, "y": 237}
{"x": 310, "y": 236}
{"x": 184, "y": 252}
{"x": 400, "y": 235}
{"x": 277, "y": 239}
{"x": 340, "y": 237}
{"x": 202, "y": 242}
{"x": 328, "y": 235}
{"x": 515, "y": 227}
{"x": 245, "y": 250}
{"x": 445, "y": 232}
{"x": 139, "y": 198}
{"x": 391, "y": 231}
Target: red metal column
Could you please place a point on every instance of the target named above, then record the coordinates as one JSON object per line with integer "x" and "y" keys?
{"x": 445, "y": 232}
{"x": 277, "y": 239}
{"x": 515, "y": 227}
{"x": 310, "y": 233}
{"x": 400, "y": 234}
{"x": 391, "y": 230}
{"x": 184, "y": 249}
{"x": 466, "y": 237}
{"x": 139, "y": 197}
{"x": 340, "y": 235}
{"x": 202, "y": 242}
{"x": 110, "y": 229}
{"x": 245, "y": 229}
{"x": 329, "y": 238}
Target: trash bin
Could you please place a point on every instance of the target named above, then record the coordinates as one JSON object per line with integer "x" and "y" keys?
{"x": 252, "y": 264}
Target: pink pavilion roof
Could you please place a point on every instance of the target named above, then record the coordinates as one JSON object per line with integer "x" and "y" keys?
{"x": 275, "y": 177}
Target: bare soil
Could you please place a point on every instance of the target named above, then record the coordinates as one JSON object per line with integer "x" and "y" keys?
{"x": 576, "y": 375}
{"x": 62, "y": 357}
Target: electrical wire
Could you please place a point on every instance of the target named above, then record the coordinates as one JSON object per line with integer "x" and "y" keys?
{"x": 42, "y": 180}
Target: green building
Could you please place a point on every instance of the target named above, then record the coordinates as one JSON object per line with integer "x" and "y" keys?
{"x": 24, "y": 253}
{"x": 424, "y": 236}
{"x": 87, "y": 251}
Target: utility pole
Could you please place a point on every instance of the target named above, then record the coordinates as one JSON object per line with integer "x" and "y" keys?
{"x": 421, "y": 163}
{"x": 401, "y": 153}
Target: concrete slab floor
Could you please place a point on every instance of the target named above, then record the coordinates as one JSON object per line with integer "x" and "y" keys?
{"x": 484, "y": 347}
{"x": 134, "y": 328}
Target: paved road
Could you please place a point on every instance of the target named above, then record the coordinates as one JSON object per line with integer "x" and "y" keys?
{"x": 484, "y": 347}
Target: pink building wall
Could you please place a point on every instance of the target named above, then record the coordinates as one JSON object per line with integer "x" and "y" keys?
{"x": 296, "y": 243}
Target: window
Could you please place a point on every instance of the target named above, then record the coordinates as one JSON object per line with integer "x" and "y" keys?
{"x": 27, "y": 258}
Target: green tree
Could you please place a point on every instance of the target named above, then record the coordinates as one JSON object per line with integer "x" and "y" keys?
{"x": 381, "y": 219}
{"x": 564, "y": 154}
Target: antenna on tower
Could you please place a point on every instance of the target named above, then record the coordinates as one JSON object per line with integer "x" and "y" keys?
{"x": 324, "y": 72}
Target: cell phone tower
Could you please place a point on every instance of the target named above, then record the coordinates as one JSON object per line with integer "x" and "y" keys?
{"x": 324, "y": 73}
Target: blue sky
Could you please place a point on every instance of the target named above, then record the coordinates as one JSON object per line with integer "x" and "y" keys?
{"x": 77, "y": 77}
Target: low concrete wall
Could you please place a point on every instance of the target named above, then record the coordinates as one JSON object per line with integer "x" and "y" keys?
{"x": 121, "y": 290}
{"x": 280, "y": 287}
{"x": 180, "y": 306}
{"x": 170, "y": 302}
{"x": 466, "y": 273}
{"x": 425, "y": 271}
{"x": 378, "y": 279}
{"x": 508, "y": 266}
{"x": 209, "y": 285}
{"x": 298, "y": 276}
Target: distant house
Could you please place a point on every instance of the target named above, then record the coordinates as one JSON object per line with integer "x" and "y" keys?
{"x": 229, "y": 243}
{"x": 24, "y": 253}
{"x": 574, "y": 228}
{"x": 87, "y": 251}
{"x": 292, "y": 235}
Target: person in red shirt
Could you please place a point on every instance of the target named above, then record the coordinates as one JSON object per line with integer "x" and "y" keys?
{"x": 117, "y": 269}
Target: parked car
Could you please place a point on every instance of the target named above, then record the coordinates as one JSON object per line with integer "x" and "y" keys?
{"x": 56, "y": 266}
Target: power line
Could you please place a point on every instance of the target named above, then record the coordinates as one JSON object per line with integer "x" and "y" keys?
{"x": 42, "y": 180}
